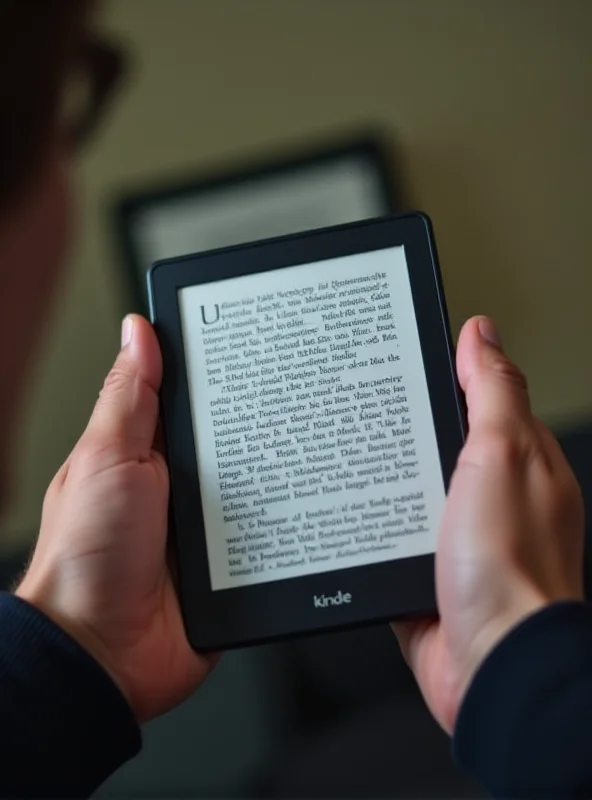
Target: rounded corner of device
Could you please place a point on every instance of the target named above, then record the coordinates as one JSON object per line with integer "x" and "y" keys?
{"x": 202, "y": 646}
{"x": 154, "y": 268}
{"x": 424, "y": 219}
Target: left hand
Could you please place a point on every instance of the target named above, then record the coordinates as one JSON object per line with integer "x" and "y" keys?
{"x": 99, "y": 569}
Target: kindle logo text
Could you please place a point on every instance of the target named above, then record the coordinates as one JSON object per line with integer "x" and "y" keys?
{"x": 338, "y": 599}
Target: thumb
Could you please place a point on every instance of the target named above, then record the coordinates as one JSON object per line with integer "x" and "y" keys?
{"x": 494, "y": 387}
{"x": 126, "y": 413}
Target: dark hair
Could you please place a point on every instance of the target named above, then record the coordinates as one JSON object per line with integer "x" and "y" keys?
{"x": 39, "y": 42}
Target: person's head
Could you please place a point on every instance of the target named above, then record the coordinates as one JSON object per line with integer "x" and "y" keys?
{"x": 55, "y": 76}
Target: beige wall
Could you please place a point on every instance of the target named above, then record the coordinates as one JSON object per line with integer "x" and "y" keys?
{"x": 491, "y": 101}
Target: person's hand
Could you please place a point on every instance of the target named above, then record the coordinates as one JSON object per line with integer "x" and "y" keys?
{"x": 99, "y": 568}
{"x": 511, "y": 538}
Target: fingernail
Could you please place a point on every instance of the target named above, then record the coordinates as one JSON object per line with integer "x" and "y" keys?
{"x": 488, "y": 331}
{"x": 127, "y": 327}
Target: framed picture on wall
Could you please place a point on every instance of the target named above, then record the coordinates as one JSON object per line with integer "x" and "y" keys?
{"x": 321, "y": 186}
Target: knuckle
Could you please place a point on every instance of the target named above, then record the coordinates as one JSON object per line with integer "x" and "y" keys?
{"x": 51, "y": 495}
{"x": 510, "y": 374}
{"x": 569, "y": 499}
{"x": 57, "y": 484}
{"x": 118, "y": 379}
{"x": 498, "y": 447}
{"x": 127, "y": 480}
{"x": 87, "y": 448}
{"x": 93, "y": 454}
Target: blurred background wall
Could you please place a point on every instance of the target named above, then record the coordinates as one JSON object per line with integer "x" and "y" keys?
{"x": 489, "y": 101}
{"x": 487, "y": 106}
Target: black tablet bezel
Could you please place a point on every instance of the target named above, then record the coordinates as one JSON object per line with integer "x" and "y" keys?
{"x": 393, "y": 589}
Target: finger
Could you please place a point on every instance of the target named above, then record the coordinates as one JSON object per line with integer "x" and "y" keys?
{"x": 404, "y": 631}
{"x": 126, "y": 412}
{"x": 555, "y": 459}
{"x": 410, "y": 635}
{"x": 550, "y": 444}
{"x": 495, "y": 389}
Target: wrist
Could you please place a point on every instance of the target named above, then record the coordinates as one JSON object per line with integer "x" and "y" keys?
{"x": 79, "y": 632}
{"x": 493, "y": 632}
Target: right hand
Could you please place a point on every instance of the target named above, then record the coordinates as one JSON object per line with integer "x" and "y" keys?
{"x": 511, "y": 538}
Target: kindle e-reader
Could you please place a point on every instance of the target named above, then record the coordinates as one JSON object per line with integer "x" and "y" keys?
{"x": 313, "y": 421}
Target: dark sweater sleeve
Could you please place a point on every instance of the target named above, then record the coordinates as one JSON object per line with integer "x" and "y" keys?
{"x": 64, "y": 725}
{"x": 525, "y": 727}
